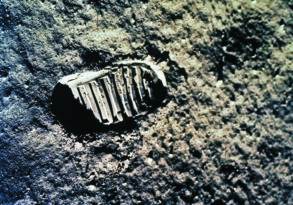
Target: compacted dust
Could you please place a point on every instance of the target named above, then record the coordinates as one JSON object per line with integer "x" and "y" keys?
{"x": 224, "y": 136}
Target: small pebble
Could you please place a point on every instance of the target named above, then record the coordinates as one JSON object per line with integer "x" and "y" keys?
{"x": 6, "y": 100}
{"x": 92, "y": 188}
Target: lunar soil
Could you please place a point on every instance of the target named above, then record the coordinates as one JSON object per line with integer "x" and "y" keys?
{"x": 224, "y": 136}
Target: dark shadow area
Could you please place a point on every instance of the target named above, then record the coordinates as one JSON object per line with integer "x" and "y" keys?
{"x": 176, "y": 74}
{"x": 156, "y": 53}
{"x": 237, "y": 45}
{"x": 69, "y": 112}
{"x": 99, "y": 58}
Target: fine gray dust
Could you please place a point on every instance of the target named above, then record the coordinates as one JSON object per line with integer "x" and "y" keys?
{"x": 224, "y": 136}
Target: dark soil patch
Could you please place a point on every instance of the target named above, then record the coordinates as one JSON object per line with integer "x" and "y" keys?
{"x": 248, "y": 42}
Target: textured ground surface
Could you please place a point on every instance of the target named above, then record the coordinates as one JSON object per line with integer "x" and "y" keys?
{"x": 225, "y": 137}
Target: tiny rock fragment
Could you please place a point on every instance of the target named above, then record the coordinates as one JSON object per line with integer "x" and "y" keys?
{"x": 110, "y": 96}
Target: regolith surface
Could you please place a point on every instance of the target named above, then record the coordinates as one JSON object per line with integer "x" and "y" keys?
{"x": 223, "y": 137}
